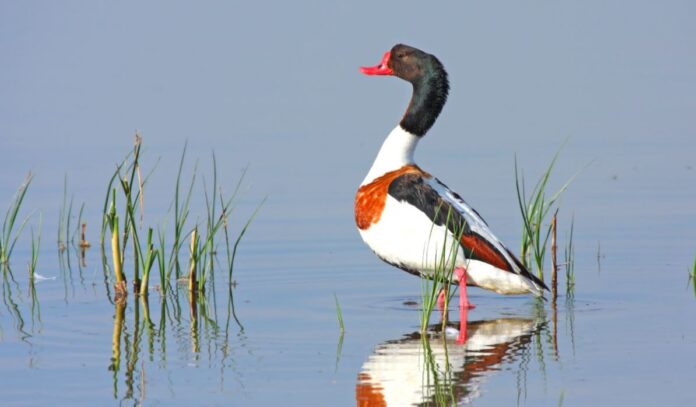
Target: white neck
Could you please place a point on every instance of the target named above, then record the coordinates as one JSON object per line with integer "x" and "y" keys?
{"x": 397, "y": 151}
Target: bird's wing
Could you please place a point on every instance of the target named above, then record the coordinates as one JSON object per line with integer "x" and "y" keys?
{"x": 442, "y": 207}
{"x": 478, "y": 237}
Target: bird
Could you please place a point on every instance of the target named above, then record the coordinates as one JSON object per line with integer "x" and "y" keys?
{"x": 405, "y": 214}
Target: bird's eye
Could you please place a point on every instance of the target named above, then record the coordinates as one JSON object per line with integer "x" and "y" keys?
{"x": 400, "y": 55}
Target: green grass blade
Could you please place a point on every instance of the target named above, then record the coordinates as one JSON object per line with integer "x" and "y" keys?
{"x": 339, "y": 315}
{"x": 35, "y": 247}
{"x": 7, "y": 243}
{"x": 241, "y": 234}
{"x": 107, "y": 199}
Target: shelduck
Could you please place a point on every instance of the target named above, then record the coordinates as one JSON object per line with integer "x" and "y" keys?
{"x": 405, "y": 214}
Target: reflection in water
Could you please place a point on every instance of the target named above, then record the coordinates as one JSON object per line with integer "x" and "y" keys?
{"x": 116, "y": 343}
{"x": 14, "y": 303}
{"x": 65, "y": 266}
{"x": 201, "y": 330}
{"x": 570, "y": 317}
{"x": 434, "y": 369}
{"x": 11, "y": 304}
{"x": 35, "y": 305}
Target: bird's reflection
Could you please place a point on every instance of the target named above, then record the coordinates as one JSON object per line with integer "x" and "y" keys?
{"x": 437, "y": 368}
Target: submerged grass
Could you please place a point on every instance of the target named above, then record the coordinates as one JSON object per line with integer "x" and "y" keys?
{"x": 9, "y": 235}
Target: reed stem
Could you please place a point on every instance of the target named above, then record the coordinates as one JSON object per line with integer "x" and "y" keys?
{"x": 116, "y": 252}
{"x": 83, "y": 239}
{"x": 150, "y": 258}
{"x": 554, "y": 262}
{"x": 193, "y": 285}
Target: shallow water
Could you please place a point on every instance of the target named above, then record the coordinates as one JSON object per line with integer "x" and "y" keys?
{"x": 617, "y": 333}
{"x": 620, "y": 89}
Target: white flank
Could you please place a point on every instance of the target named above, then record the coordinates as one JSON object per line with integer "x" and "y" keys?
{"x": 397, "y": 151}
{"x": 405, "y": 236}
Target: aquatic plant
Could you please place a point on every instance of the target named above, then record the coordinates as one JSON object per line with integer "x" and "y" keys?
{"x": 569, "y": 261}
{"x": 438, "y": 379}
{"x": 35, "y": 246}
{"x": 692, "y": 276}
{"x": 443, "y": 270}
{"x": 242, "y": 232}
{"x": 132, "y": 192}
{"x": 67, "y": 235}
{"x": 161, "y": 261}
{"x": 108, "y": 200}
{"x": 126, "y": 236}
{"x": 78, "y": 225}
{"x": 64, "y": 217}
{"x": 205, "y": 248}
{"x": 339, "y": 315}
{"x": 181, "y": 212}
{"x": 9, "y": 236}
{"x": 117, "y": 257}
{"x": 554, "y": 256}
{"x": 342, "y": 330}
{"x": 151, "y": 256}
{"x": 194, "y": 256}
{"x": 534, "y": 209}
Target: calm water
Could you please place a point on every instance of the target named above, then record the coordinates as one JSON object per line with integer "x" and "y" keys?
{"x": 628, "y": 326}
{"x": 620, "y": 89}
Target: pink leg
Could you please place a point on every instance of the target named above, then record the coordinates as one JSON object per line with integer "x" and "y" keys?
{"x": 463, "y": 319}
{"x": 441, "y": 299}
{"x": 460, "y": 272}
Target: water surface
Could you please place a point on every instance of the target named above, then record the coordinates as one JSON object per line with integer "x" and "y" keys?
{"x": 613, "y": 81}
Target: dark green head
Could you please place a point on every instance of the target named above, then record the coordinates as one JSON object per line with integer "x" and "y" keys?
{"x": 428, "y": 77}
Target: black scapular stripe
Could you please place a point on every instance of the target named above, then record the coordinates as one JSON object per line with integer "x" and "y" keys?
{"x": 413, "y": 189}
